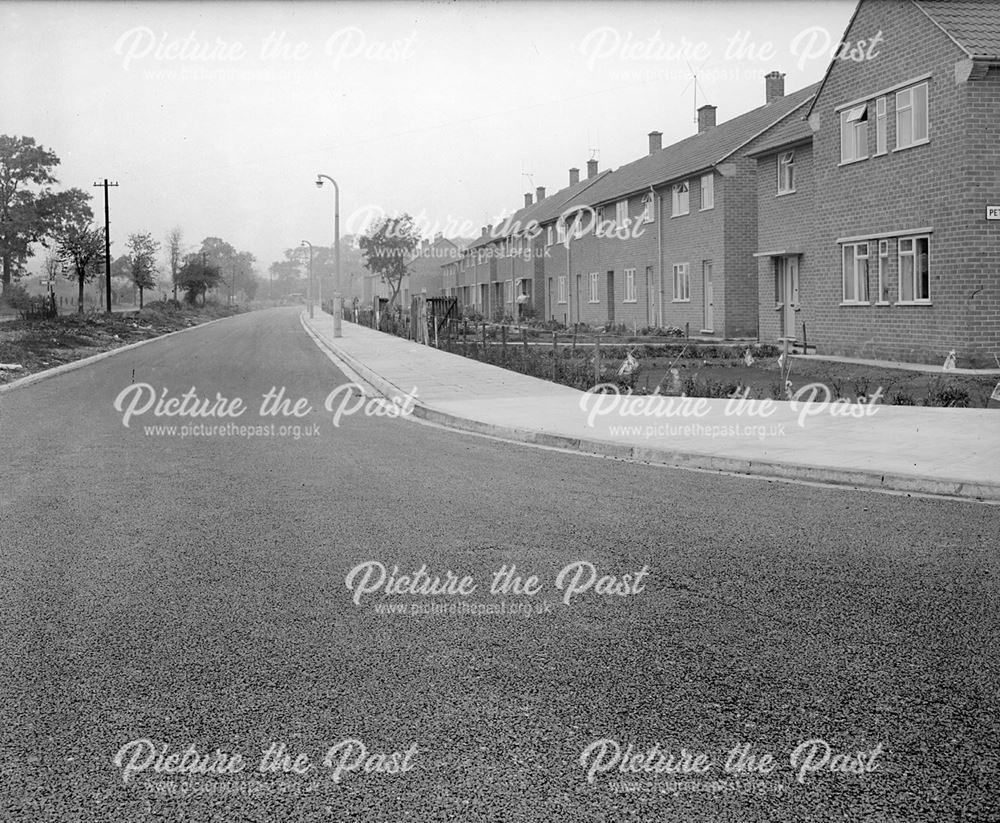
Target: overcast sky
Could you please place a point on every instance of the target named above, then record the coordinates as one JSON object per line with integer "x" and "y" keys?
{"x": 442, "y": 110}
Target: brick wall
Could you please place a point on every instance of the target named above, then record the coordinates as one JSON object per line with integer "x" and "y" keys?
{"x": 944, "y": 184}
{"x": 787, "y": 222}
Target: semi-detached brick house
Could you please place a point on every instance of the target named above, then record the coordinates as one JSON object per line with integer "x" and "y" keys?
{"x": 874, "y": 237}
{"x": 678, "y": 230}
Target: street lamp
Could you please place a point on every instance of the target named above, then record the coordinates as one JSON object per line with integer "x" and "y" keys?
{"x": 310, "y": 245}
{"x": 338, "y": 310}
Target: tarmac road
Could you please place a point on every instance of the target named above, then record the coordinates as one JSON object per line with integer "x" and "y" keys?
{"x": 190, "y": 591}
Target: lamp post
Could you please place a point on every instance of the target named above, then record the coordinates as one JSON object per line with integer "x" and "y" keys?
{"x": 311, "y": 310}
{"x": 338, "y": 311}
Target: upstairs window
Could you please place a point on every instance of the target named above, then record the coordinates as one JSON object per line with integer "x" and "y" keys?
{"x": 854, "y": 134}
{"x": 648, "y": 208}
{"x": 786, "y": 172}
{"x": 621, "y": 213}
{"x": 707, "y": 191}
{"x": 856, "y": 273}
{"x": 561, "y": 231}
{"x": 880, "y": 121}
{"x": 911, "y": 116}
{"x": 680, "y": 193}
{"x": 548, "y": 236}
{"x": 599, "y": 218}
{"x": 914, "y": 270}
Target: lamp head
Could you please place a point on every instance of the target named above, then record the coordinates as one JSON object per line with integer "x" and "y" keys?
{"x": 319, "y": 183}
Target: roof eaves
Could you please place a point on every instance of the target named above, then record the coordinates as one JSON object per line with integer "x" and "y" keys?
{"x": 767, "y": 128}
{"x": 950, "y": 36}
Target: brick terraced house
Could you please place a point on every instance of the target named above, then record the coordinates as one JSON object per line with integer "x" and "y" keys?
{"x": 873, "y": 231}
{"x": 668, "y": 239}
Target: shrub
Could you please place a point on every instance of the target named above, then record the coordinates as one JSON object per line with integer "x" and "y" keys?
{"x": 946, "y": 395}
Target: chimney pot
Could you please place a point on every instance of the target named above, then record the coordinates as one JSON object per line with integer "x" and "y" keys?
{"x": 591, "y": 168}
{"x": 527, "y": 198}
{"x": 706, "y": 118}
{"x": 539, "y": 194}
{"x": 774, "y": 86}
{"x": 655, "y": 141}
{"x": 574, "y": 176}
{"x": 484, "y": 231}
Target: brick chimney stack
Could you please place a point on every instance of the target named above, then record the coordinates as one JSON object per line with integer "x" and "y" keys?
{"x": 527, "y": 199}
{"x": 655, "y": 141}
{"x": 574, "y": 176}
{"x": 591, "y": 168}
{"x": 706, "y": 118}
{"x": 774, "y": 86}
{"x": 539, "y": 194}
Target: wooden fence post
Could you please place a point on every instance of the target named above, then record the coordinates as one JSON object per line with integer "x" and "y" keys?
{"x": 555, "y": 356}
{"x": 503, "y": 340}
{"x": 597, "y": 360}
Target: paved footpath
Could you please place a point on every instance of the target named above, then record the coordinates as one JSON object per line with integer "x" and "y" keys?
{"x": 953, "y": 452}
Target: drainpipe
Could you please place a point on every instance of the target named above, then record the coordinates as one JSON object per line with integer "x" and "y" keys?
{"x": 569, "y": 284}
{"x": 659, "y": 251}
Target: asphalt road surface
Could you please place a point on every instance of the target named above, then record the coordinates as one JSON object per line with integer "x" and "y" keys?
{"x": 174, "y": 605}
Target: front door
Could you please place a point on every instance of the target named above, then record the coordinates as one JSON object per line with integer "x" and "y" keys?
{"x": 611, "y": 298}
{"x": 790, "y": 292}
{"x": 706, "y": 277}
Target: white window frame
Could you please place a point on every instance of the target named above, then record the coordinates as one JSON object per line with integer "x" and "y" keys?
{"x": 648, "y": 208}
{"x": 562, "y": 289}
{"x": 680, "y": 194}
{"x": 913, "y": 254}
{"x": 549, "y": 235}
{"x": 881, "y": 122}
{"x": 599, "y": 219}
{"x": 682, "y": 283}
{"x": 707, "y": 191}
{"x": 906, "y": 110}
{"x": 595, "y": 295}
{"x": 621, "y": 214}
{"x": 786, "y": 172}
{"x": 883, "y": 272}
{"x": 855, "y": 273}
{"x": 561, "y": 230}
{"x": 854, "y": 134}
{"x": 508, "y": 291}
{"x": 629, "y": 286}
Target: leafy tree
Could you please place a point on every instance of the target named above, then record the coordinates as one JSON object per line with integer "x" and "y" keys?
{"x": 387, "y": 246}
{"x": 175, "y": 255}
{"x": 142, "y": 258}
{"x": 197, "y": 276}
{"x": 29, "y": 211}
{"x": 81, "y": 247}
{"x": 250, "y": 286}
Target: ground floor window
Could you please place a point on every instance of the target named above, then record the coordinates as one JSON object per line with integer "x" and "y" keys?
{"x": 594, "y": 298}
{"x": 562, "y": 288}
{"x": 914, "y": 269}
{"x": 682, "y": 283}
{"x": 629, "y": 286}
{"x": 855, "y": 271}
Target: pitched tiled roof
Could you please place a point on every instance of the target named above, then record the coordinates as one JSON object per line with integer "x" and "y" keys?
{"x": 540, "y": 212}
{"x": 693, "y": 154}
{"x": 795, "y": 129}
{"x": 973, "y": 24}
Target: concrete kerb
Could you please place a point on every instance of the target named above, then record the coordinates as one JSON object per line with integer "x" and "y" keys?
{"x": 37, "y": 377}
{"x": 850, "y": 478}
